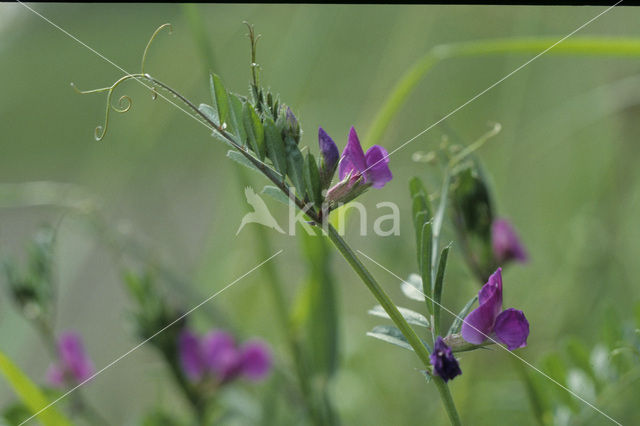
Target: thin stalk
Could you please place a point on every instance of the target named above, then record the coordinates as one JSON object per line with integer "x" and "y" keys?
{"x": 586, "y": 46}
{"x": 397, "y": 318}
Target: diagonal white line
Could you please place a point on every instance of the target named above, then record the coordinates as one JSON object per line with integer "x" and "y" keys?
{"x": 148, "y": 86}
{"x": 493, "y": 85}
{"x": 499, "y": 344}
{"x": 149, "y": 338}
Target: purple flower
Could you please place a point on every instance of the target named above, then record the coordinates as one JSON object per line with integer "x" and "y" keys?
{"x": 444, "y": 363}
{"x": 217, "y": 355}
{"x": 191, "y": 358}
{"x": 73, "y": 362}
{"x": 506, "y": 244}
{"x": 221, "y": 355}
{"x": 509, "y": 327}
{"x": 256, "y": 360}
{"x": 372, "y": 166}
{"x": 329, "y": 151}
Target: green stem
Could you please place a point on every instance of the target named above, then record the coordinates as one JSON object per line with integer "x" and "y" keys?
{"x": 397, "y": 318}
{"x": 447, "y": 400}
{"x": 586, "y": 46}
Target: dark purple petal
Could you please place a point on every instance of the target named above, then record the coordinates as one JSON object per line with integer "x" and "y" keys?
{"x": 505, "y": 242}
{"x": 73, "y": 356}
{"x": 512, "y": 328}
{"x": 55, "y": 375}
{"x": 378, "y": 172}
{"x": 190, "y": 353}
{"x": 220, "y": 355}
{"x": 444, "y": 363}
{"x": 256, "y": 360}
{"x": 353, "y": 160}
{"x": 329, "y": 149}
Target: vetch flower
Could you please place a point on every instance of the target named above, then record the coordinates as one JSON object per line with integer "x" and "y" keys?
{"x": 372, "y": 166}
{"x": 444, "y": 363}
{"x": 216, "y": 355}
{"x": 73, "y": 363}
{"x": 509, "y": 327}
{"x": 357, "y": 171}
{"x": 505, "y": 242}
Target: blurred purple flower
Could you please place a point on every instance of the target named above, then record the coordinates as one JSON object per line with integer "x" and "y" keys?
{"x": 444, "y": 363}
{"x": 191, "y": 358}
{"x": 505, "y": 242}
{"x": 509, "y": 327}
{"x": 73, "y": 362}
{"x": 217, "y": 354}
{"x": 221, "y": 355}
{"x": 256, "y": 360}
{"x": 372, "y": 166}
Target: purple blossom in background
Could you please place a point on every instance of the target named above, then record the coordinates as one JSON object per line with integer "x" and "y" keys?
{"x": 372, "y": 166}
{"x": 444, "y": 363}
{"x": 505, "y": 242}
{"x": 217, "y": 354}
{"x": 509, "y": 327}
{"x": 256, "y": 359}
{"x": 221, "y": 355}
{"x": 73, "y": 362}
{"x": 191, "y": 358}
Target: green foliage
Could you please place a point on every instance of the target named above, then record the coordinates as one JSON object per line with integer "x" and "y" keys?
{"x": 30, "y": 394}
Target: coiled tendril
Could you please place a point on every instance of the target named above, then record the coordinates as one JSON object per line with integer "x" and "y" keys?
{"x": 124, "y": 102}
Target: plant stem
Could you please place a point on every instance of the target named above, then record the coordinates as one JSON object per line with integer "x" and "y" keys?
{"x": 397, "y": 318}
{"x": 447, "y": 400}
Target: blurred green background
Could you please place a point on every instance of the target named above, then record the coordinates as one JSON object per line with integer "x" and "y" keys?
{"x": 564, "y": 170}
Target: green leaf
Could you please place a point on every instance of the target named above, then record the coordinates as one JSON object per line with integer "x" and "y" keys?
{"x": 390, "y": 334}
{"x": 276, "y": 194}
{"x": 410, "y": 316}
{"x": 254, "y": 130}
{"x": 295, "y": 166}
{"x": 412, "y": 288}
{"x": 426, "y": 247}
{"x": 416, "y": 188}
{"x": 236, "y": 117}
{"x": 221, "y": 99}
{"x": 312, "y": 180}
{"x": 30, "y": 394}
{"x": 210, "y": 112}
{"x": 240, "y": 158}
{"x": 437, "y": 288}
{"x": 275, "y": 146}
{"x": 457, "y": 321}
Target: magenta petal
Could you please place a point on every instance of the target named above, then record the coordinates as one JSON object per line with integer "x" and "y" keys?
{"x": 190, "y": 355}
{"x": 477, "y": 326}
{"x": 353, "y": 160}
{"x": 505, "y": 242}
{"x": 221, "y": 355}
{"x": 512, "y": 328}
{"x": 256, "y": 360}
{"x": 73, "y": 356}
{"x": 378, "y": 173}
